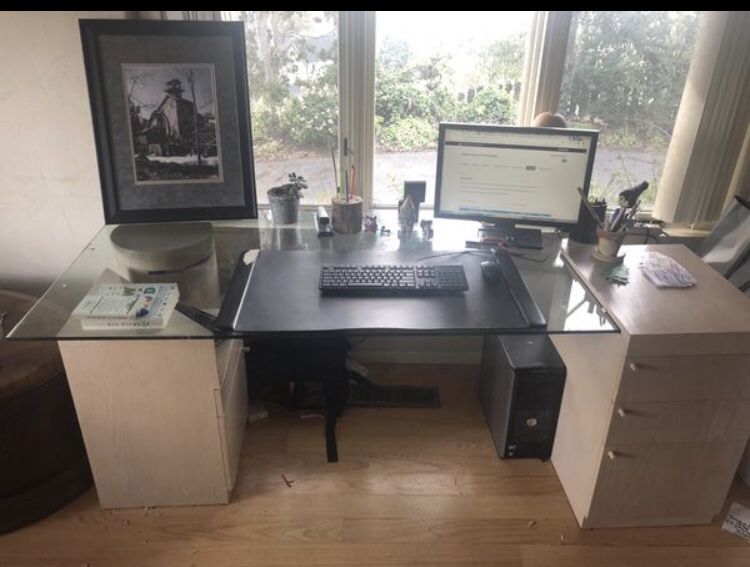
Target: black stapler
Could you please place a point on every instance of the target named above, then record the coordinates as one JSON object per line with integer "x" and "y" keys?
{"x": 323, "y": 222}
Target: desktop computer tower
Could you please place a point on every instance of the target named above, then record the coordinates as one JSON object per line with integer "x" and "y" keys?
{"x": 520, "y": 388}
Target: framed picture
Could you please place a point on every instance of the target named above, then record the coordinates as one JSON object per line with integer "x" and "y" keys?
{"x": 169, "y": 102}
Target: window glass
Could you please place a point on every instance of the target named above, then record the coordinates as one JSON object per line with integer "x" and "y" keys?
{"x": 292, "y": 64}
{"x": 440, "y": 66}
{"x": 624, "y": 76}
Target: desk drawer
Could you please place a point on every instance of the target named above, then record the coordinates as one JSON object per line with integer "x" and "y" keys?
{"x": 227, "y": 351}
{"x": 680, "y": 422}
{"x": 685, "y": 378}
{"x": 231, "y": 410}
{"x": 662, "y": 484}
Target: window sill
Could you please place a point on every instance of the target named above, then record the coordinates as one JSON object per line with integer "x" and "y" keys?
{"x": 676, "y": 231}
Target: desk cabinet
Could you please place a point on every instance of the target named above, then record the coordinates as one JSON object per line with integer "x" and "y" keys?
{"x": 162, "y": 420}
{"x": 654, "y": 420}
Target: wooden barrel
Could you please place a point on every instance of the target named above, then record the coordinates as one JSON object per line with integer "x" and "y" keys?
{"x": 43, "y": 462}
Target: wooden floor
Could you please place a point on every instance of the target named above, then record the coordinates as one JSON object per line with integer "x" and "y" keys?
{"x": 413, "y": 487}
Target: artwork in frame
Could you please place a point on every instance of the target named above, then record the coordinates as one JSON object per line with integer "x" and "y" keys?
{"x": 173, "y": 129}
{"x": 169, "y": 103}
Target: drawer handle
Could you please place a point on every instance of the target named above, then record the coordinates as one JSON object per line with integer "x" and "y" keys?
{"x": 634, "y": 366}
{"x": 245, "y": 349}
{"x": 611, "y": 455}
{"x": 622, "y": 412}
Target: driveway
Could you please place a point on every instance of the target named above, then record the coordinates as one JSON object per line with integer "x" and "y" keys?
{"x": 614, "y": 170}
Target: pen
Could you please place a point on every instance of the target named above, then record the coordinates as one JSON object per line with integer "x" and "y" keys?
{"x": 633, "y": 211}
{"x": 616, "y": 219}
{"x": 335, "y": 171}
{"x": 343, "y": 180}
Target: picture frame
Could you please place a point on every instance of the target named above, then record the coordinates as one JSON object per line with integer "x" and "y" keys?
{"x": 170, "y": 109}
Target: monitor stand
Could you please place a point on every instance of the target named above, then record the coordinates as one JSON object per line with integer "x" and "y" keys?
{"x": 507, "y": 231}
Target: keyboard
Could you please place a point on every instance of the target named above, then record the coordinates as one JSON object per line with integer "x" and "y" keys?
{"x": 392, "y": 279}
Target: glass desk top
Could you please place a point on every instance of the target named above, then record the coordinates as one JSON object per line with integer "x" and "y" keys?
{"x": 202, "y": 265}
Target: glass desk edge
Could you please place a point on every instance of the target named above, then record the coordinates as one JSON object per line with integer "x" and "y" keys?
{"x": 190, "y": 330}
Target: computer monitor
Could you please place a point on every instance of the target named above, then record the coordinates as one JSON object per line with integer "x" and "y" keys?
{"x": 507, "y": 174}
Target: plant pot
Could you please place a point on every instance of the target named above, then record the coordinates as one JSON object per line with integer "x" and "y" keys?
{"x": 347, "y": 215}
{"x": 284, "y": 211}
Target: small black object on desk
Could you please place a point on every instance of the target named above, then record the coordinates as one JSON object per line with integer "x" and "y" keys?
{"x": 585, "y": 231}
{"x": 204, "y": 319}
{"x": 628, "y": 198}
{"x": 323, "y": 222}
{"x": 491, "y": 269}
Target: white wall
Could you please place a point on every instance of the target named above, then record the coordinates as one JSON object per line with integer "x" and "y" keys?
{"x": 50, "y": 200}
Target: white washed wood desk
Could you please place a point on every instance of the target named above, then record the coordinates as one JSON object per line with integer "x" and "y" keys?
{"x": 163, "y": 411}
{"x": 654, "y": 420}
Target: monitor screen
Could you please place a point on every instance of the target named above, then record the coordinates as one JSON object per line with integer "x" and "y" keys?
{"x": 509, "y": 173}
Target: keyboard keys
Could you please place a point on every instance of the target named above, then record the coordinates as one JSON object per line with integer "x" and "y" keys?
{"x": 393, "y": 278}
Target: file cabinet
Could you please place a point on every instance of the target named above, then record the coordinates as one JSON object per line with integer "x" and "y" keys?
{"x": 162, "y": 420}
{"x": 654, "y": 420}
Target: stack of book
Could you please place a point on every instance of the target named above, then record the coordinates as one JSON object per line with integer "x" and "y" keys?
{"x": 127, "y": 306}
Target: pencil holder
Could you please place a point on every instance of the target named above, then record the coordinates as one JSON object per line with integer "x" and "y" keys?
{"x": 347, "y": 215}
{"x": 608, "y": 245}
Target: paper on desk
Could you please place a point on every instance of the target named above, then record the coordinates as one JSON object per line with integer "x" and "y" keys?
{"x": 737, "y": 521}
{"x": 250, "y": 256}
{"x": 663, "y": 271}
{"x": 619, "y": 274}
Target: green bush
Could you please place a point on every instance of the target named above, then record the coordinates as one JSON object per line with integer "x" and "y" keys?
{"x": 491, "y": 105}
{"x": 265, "y": 121}
{"x": 266, "y": 148}
{"x": 266, "y": 105}
{"x": 311, "y": 119}
{"x": 444, "y": 106}
{"x": 398, "y": 96}
{"x": 411, "y": 133}
{"x": 626, "y": 65}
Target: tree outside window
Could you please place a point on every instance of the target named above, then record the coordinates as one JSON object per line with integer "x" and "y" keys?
{"x": 624, "y": 76}
{"x": 461, "y": 67}
{"x": 292, "y": 60}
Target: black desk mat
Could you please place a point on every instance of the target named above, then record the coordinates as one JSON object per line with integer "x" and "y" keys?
{"x": 281, "y": 296}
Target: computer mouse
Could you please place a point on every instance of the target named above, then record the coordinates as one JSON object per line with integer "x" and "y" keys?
{"x": 491, "y": 271}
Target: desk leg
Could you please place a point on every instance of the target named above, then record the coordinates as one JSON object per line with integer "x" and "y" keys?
{"x": 336, "y": 389}
{"x": 332, "y": 451}
{"x": 318, "y": 360}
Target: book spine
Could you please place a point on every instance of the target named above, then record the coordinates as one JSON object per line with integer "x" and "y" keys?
{"x": 158, "y": 319}
{"x": 99, "y": 324}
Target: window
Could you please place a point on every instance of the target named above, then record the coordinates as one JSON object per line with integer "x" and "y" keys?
{"x": 292, "y": 60}
{"x": 624, "y": 76}
{"x": 439, "y": 66}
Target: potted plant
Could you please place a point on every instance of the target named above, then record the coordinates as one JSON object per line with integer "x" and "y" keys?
{"x": 284, "y": 199}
